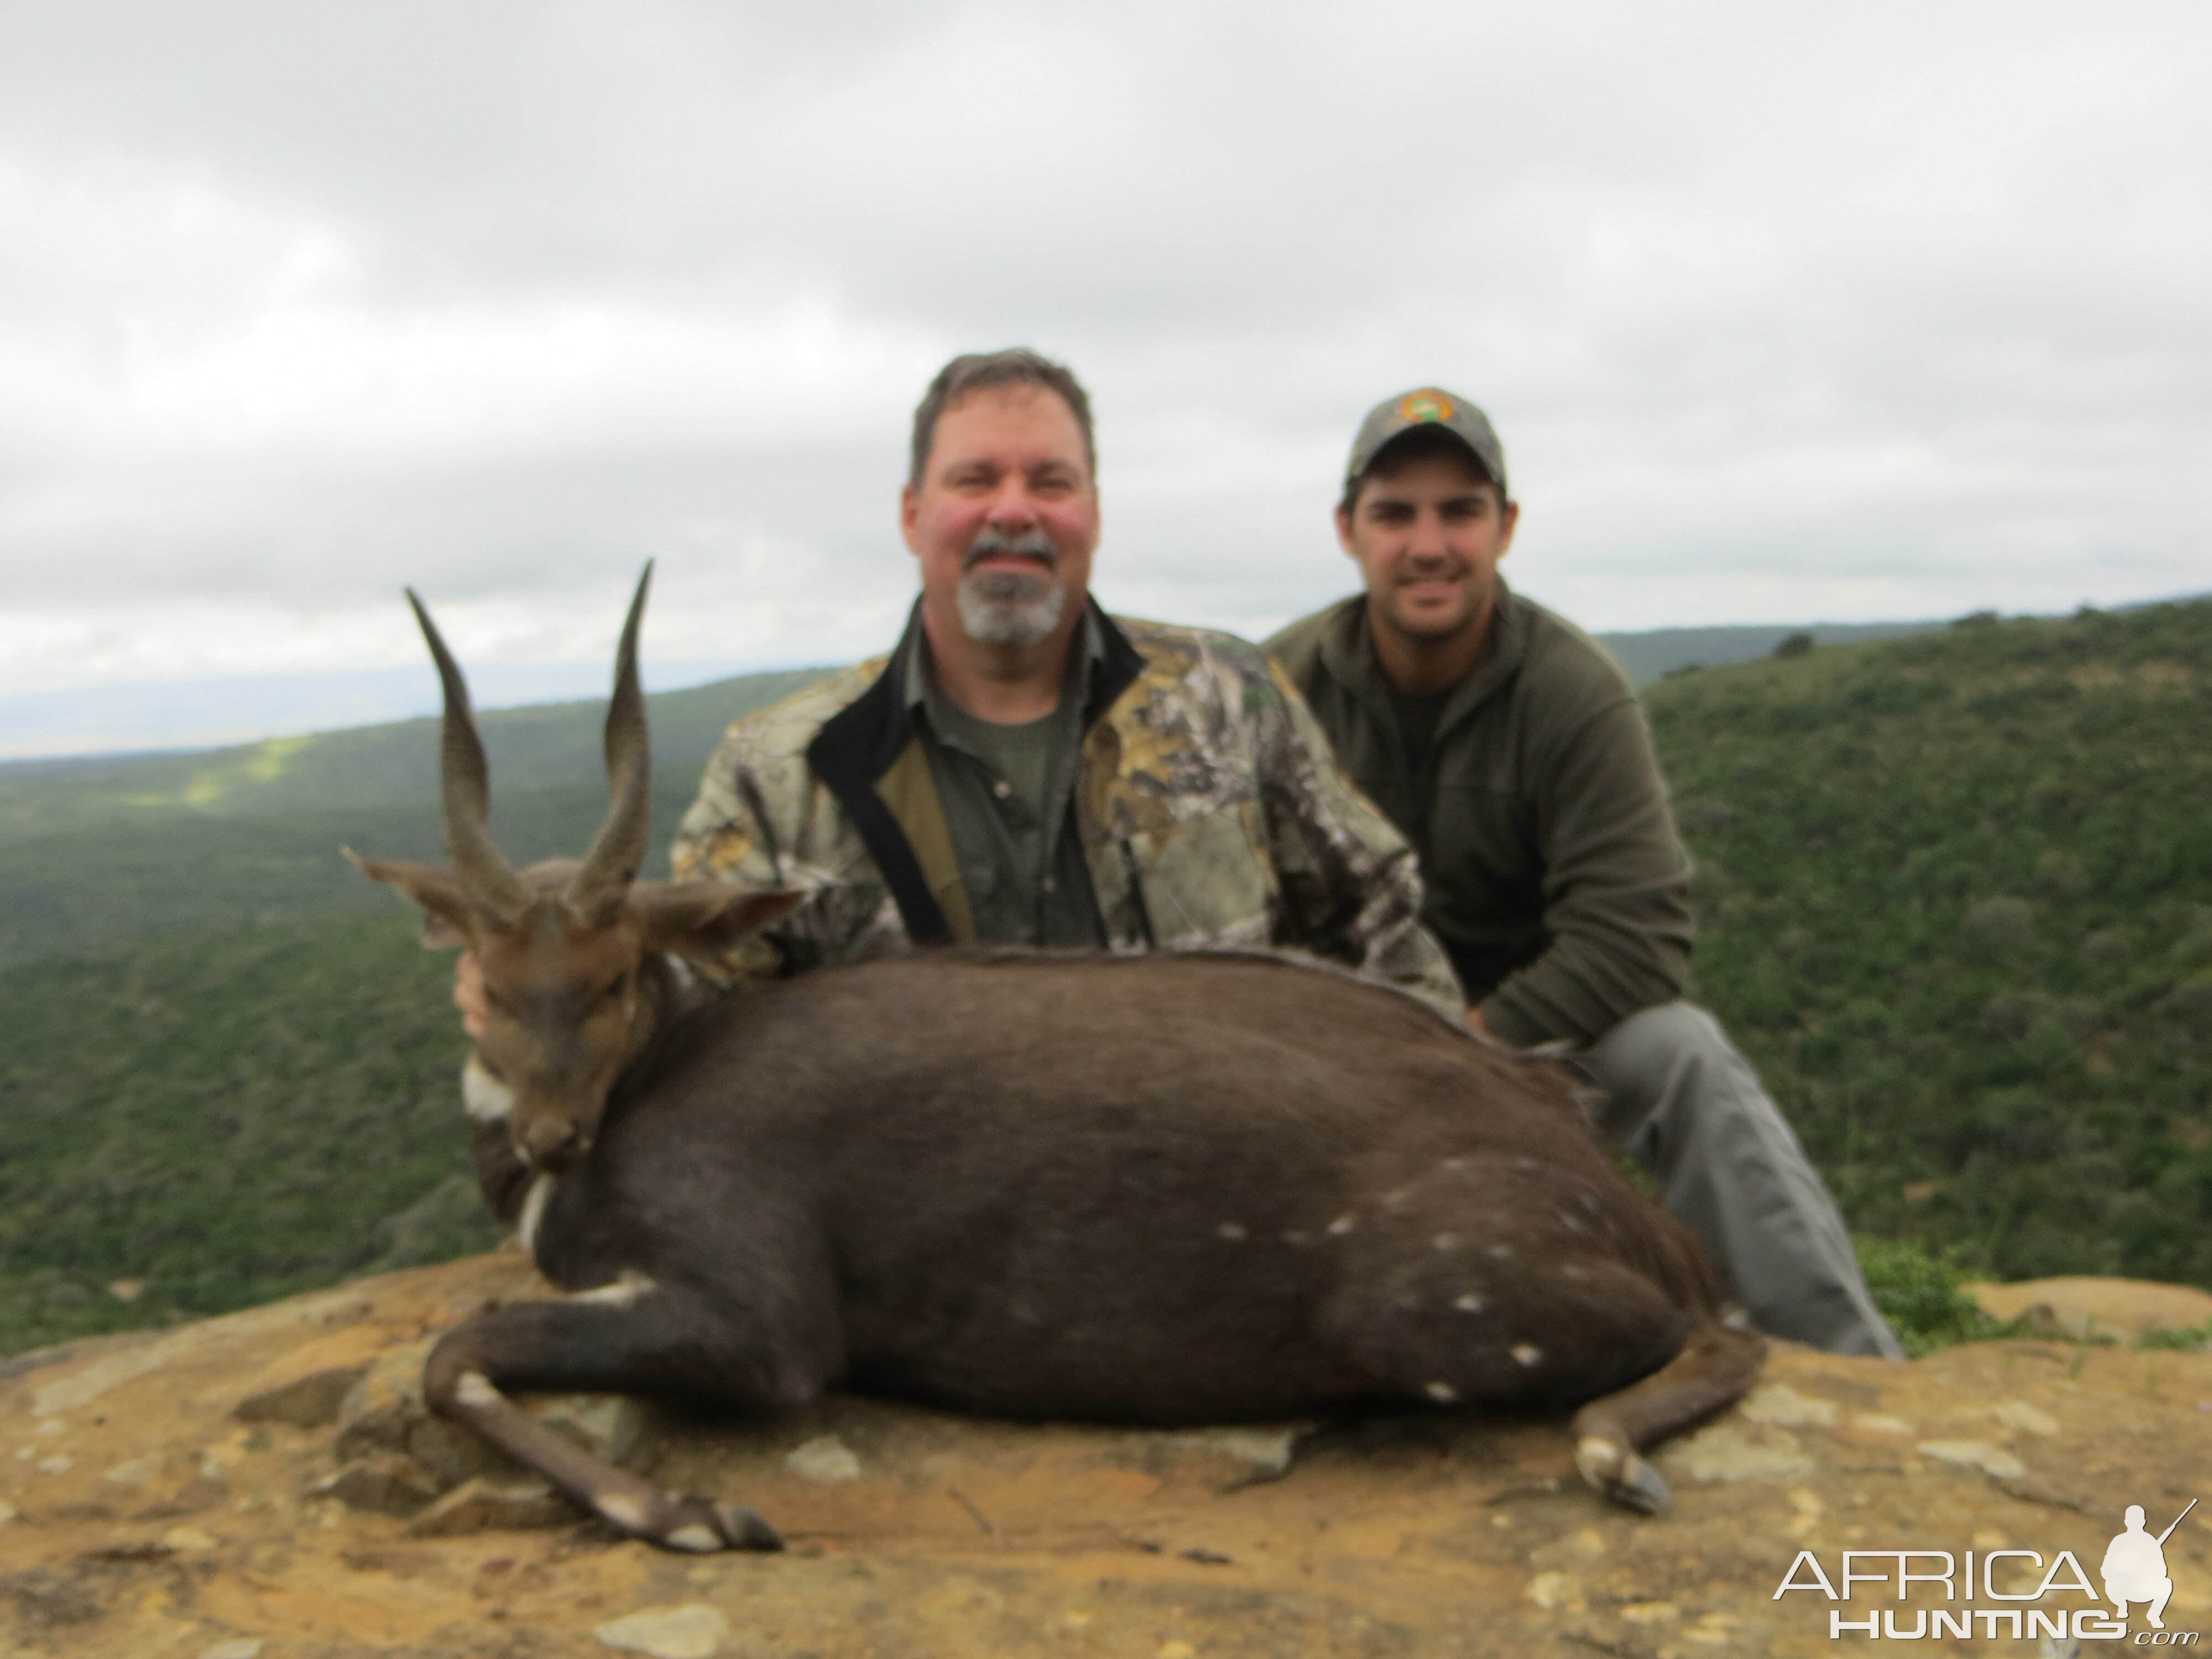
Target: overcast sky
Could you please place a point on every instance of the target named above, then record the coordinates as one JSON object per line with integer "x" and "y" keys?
{"x": 1785, "y": 314}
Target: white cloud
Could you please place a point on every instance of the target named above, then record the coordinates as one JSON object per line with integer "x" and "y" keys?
{"x": 1783, "y": 314}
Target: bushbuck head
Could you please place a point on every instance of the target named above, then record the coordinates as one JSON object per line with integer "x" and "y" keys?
{"x": 570, "y": 951}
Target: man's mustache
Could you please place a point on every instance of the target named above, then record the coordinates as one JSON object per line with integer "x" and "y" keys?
{"x": 1030, "y": 544}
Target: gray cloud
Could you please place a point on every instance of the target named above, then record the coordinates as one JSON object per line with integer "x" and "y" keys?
{"x": 1783, "y": 314}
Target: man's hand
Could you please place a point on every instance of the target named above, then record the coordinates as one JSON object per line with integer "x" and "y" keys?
{"x": 1475, "y": 1022}
{"x": 468, "y": 996}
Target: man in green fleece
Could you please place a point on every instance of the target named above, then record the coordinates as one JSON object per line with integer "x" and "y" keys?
{"x": 1511, "y": 750}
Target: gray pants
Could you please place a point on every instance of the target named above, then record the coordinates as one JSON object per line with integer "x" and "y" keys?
{"x": 1685, "y": 1104}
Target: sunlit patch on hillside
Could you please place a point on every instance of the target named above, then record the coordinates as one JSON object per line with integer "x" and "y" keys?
{"x": 264, "y": 763}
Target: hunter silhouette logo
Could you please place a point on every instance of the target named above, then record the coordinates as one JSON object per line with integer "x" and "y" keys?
{"x": 2134, "y": 1566}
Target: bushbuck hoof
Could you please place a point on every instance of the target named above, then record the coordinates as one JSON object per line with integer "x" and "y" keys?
{"x": 702, "y": 1527}
{"x": 1622, "y": 1476}
{"x": 744, "y": 1529}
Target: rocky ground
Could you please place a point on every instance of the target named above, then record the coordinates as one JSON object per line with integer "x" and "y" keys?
{"x": 266, "y": 1486}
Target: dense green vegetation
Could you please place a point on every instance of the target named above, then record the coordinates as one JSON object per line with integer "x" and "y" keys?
{"x": 226, "y": 1117}
{"x": 1956, "y": 890}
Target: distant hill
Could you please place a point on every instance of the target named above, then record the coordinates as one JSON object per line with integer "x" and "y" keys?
{"x": 99, "y": 850}
{"x": 1956, "y": 892}
{"x": 1652, "y": 656}
{"x": 548, "y": 746}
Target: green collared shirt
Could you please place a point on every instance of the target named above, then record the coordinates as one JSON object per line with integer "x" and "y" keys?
{"x": 1008, "y": 793}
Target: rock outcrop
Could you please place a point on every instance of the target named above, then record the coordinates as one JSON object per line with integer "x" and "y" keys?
{"x": 267, "y": 1486}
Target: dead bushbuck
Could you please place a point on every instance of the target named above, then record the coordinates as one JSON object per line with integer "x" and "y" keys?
{"x": 1188, "y": 1187}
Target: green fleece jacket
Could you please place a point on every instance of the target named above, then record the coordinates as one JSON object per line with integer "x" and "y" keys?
{"x": 1553, "y": 871}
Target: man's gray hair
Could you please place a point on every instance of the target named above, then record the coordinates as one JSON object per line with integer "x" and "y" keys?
{"x": 979, "y": 371}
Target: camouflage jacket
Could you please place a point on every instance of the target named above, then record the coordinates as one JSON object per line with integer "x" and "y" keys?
{"x": 1209, "y": 810}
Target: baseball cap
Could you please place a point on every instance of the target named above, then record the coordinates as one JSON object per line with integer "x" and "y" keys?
{"x": 1427, "y": 406}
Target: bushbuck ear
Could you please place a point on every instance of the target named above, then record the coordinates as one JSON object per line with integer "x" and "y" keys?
{"x": 434, "y": 887}
{"x": 704, "y": 918}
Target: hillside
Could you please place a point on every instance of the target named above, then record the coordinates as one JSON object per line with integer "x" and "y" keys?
{"x": 550, "y": 747}
{"x": 94, "y": 852}
{"x": 1956, "y": 892}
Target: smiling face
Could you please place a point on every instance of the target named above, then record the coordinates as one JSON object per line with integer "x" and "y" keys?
{"x": 1427, "y": 530}
{"x": 1003, "y": 519}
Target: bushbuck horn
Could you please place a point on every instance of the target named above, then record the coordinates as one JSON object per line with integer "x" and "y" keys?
{"x": 465, "y": 786}
{"x": 611, "y": 864}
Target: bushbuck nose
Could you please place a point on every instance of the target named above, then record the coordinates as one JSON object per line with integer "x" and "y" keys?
{"x": 548, "y": 1143}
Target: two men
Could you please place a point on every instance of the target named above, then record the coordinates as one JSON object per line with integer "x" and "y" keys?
{"x": 1025, "y": 769}
{"x": 1512, "y": 752}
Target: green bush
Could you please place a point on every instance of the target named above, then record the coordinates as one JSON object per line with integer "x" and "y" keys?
{"x": 1920, "y": 1291}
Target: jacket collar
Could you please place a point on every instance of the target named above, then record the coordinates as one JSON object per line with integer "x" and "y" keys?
{"x": 1348, "y": 652}
{"x": 860, "y": 742}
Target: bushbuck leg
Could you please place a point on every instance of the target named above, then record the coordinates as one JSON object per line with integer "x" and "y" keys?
{"x": 1713, "y": 1369}
{"x": 1496, "y": 1281}
{"x": 628, "y": 1338}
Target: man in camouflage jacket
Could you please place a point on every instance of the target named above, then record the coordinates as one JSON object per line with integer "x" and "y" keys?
{"x": 1207, "y": 807}
{"x": 1187, "y": 796}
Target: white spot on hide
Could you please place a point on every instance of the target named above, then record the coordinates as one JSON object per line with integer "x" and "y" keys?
{"x": 1501, "y": 1251}
{"x": 625, "y": 1291}
{"x": 1342, "y": 1225}
{"x": 699, "y": 1539}
{"x": 1454, "y": 1164}
{"x": 1445, "y": 1241}
{"x": 484, "y": 1096}
{"x": 475, "y": 1389}
{"x": 1469, "y": 1303}
{"x": 1442, "y": 1393}
{"x": 1526, "y": 1353}
{"x": 533, "y": 1212}
{"x": 1231, "y": 1229}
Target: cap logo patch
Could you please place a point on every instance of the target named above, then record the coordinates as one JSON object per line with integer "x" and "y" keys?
{"x": 1425, "y": 406}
